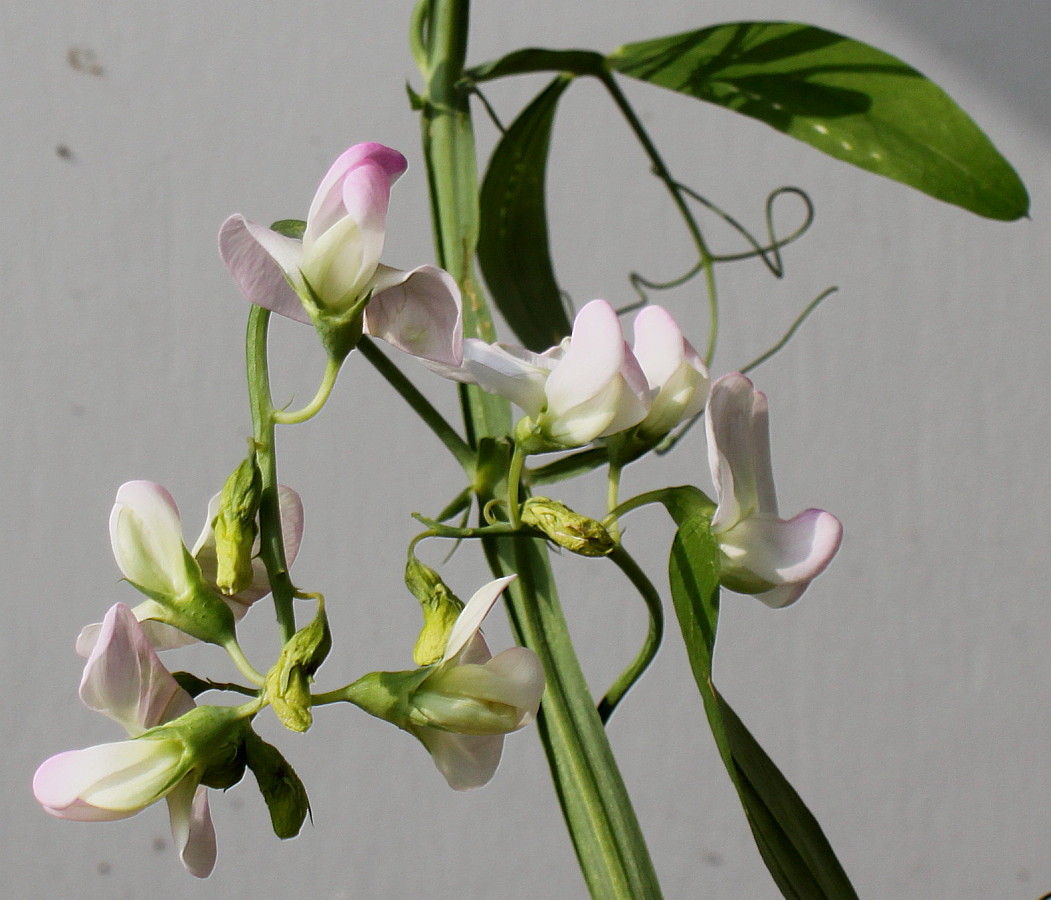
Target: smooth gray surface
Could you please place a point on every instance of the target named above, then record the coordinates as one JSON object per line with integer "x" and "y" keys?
{"x": 905, "y": 696}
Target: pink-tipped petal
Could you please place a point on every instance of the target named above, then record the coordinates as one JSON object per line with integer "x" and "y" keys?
{"x": 366, "y": 196}
{"x": 467, "y": 761}
{"x": 328, "y": 200}
{"x": 262, "y": 261}
{"x": 675, "y": 373}
{"x": 470, "y": 619}
{"x": 192, "y": 828}
{"x": 792, "y": 550}
{"x": 419, "y": 312}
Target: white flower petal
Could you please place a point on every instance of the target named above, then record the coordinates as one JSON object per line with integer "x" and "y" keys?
{"x": 107, "y": 781}
{"x": 146, "y": 536}
{"x": 125, "y": 679}
{"x": 592, "y": 361}
{"x": 466, "y": 760}
{"x": 192, "y": 828}
{"x": 512, "y": 372}
{"x": 470, "y": 619}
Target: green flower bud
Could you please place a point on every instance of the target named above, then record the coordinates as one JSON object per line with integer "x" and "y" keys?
{"x": 440, "y": 606}
{"x": 288, "y": 682}
{"x": 567, "y": 528}
{"x": 236, "y": 528}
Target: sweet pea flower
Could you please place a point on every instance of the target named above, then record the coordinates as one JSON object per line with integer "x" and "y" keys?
{"x": 675, "y": 372}
{"x": 146, "y": 534}
{"x": 125, "y": 680}
{"x": 461, "y": 707}
{"x": 773, "y": 558}
{"x": 333, "y": 277}
{"x": 590, "y": 386}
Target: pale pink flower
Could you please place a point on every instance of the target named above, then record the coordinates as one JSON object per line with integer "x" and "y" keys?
{"x": 334, "y": 270}
{"x": 773, "y": 558}
{"x": 677, "y": 376}
{"x": 125, "y": 680}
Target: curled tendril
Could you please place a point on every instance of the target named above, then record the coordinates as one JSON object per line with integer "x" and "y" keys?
{"x": 769, "y": 251}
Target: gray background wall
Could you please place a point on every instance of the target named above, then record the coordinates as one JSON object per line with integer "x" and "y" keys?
{"x": 905, "y": 696}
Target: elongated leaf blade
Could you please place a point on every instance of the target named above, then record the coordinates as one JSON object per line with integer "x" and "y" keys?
{"x": 513, "y": 244}
{"x": 537, "y": 59}
{"x": 789, "y": 838}
{"x": 843, "y": 97}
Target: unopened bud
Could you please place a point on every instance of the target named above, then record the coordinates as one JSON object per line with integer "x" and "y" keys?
{"x": 288, "y": 682}
{"x": 567, "y": 528}
{"x": 235, "y": 527}
{"x": 440, "y": 607}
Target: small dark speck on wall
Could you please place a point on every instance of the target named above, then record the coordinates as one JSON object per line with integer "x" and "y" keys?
{"x": 159, "y": 845}
{"x": 83, "y": 59}
{"x": 103, "y": 868}
{"x": 63, "y": 152}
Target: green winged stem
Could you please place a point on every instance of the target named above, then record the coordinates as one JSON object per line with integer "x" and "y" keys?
{"x": 601, "y": 821}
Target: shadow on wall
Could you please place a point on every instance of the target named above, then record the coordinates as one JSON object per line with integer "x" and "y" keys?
{"x": 1005, "y": 44}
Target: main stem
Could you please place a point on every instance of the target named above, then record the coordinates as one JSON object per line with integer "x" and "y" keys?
{"x": 271, "y": 541}
{"x": 601, "y": 821}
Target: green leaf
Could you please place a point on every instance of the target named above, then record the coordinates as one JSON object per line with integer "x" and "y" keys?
{"x": 285, "y": 796}
{"x": 292, "y": 228}
{"x": 843, "y": 97}
{"x": 513, "y": 245}
{"x": 535, "y": 59}
{"x": 788, "y": 836}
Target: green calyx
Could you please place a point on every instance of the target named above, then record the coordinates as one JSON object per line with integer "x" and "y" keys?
{"x": 212, "y": 739}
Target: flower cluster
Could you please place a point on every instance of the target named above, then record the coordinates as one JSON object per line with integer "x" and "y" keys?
{"x": 594, "y": 386}
{"x": 460, "y": 701}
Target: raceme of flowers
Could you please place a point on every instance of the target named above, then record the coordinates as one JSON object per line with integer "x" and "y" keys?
{"x": 460, "y": 701}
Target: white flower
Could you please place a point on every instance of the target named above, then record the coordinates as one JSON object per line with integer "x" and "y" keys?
{"x": 471, "y": 699}
{"x": 147, "y": 539}
{"x": 774, "y": 558}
